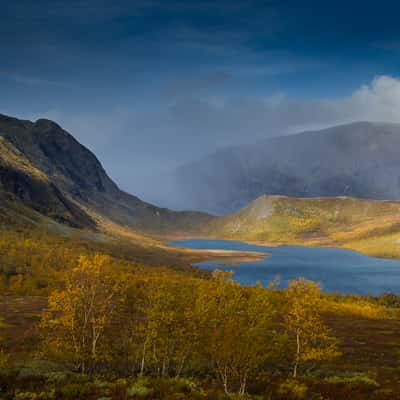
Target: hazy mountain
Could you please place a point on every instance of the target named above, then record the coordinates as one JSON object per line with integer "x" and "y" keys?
{"x": 44, "y": 167}
{"x": 359, "y": 159}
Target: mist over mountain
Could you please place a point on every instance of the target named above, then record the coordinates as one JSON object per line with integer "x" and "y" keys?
{"x": 359, "y": 159}
{"x": 44, "y": 168}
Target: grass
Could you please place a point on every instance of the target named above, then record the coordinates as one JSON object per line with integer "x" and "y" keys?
{"x": 368, "y": 226}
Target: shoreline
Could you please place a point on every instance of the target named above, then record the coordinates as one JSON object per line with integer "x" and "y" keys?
{"x": 327, "y": 244}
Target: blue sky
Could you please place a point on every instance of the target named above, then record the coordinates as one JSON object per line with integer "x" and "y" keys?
{"x": 151, "y": 84}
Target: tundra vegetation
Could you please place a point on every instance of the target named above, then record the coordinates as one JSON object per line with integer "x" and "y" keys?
{"x": 90, "y": 321}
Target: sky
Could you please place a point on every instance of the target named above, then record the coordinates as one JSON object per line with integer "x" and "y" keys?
{"x": 150, "y": 85}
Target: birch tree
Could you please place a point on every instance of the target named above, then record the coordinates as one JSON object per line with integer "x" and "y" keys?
{"x": 78, "y": 314}
{"x": 311, "y": 339}
{"x": 238, "y": 330}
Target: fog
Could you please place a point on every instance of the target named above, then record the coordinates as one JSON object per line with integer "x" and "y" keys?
{"x": 141, "y": 149}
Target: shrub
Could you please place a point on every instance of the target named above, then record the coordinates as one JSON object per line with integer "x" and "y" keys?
{"x": 37, "y": 368}
{"x": 186, "y": 384}
{"x": 74, "y": 391}
{"x": 354, "y": 380}
{"x": 57, "y": 377}
{"x": 293, "y": 389}
{"x": 35, "y": 396}
{"x": 139, "y": 389}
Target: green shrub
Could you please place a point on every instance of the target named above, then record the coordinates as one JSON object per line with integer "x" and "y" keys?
{"x": 57, "y": 377}
{"x": 353, "y": 380}
{"x": 139, "y": 389}
{"x": 35, "y": 396}
{"x": 293, "y": 389}
{"x": 38, "y": 368}
{"x": 74, "y": 391}
{"x": 186, "y": 384}
{"x": 103, "y": 384}
{"x": 25, "y": 396}
{"x": 79, "y": 378}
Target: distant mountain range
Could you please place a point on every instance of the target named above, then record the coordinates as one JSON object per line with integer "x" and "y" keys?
{"x": 47, "y": 177}
{"x": 43, "y": 168}
{"x": 360, "y": 159}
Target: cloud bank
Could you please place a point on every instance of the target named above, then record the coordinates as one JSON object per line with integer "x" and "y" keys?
{"x": 137, "y": 146}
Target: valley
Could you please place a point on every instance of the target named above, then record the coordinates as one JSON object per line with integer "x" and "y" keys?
{"x": 199, "y": 200}
{"x": 67, "y": 229}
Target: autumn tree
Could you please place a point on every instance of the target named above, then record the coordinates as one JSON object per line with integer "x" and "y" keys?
{"x": 130, "y": 338}
{"x": 169, "y": 328}
{"x": 237, "y": 324}
{"x": 79, "y": 314}
{"x": 311, "y": 338}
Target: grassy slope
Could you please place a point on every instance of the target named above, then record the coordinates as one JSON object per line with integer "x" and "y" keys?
{"x": 370, "y": 226}
{"x": 18, "y": 221}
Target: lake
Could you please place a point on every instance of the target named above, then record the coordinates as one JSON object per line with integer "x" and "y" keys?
{"x": 338, "y": 270}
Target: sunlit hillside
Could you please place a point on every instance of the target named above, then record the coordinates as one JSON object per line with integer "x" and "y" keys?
{"x": 371, "y": 226}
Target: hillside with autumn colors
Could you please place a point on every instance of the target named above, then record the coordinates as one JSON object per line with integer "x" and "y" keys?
{"x": 368, "y": 226}
{"x": 95, "y": 304}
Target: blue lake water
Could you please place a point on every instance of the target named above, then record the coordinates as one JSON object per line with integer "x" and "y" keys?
{"x": 338, "y": 270}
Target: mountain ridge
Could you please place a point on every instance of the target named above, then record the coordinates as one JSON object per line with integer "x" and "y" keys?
{"x": 358, "y": 159}
{"x": 74, "y": 187}
{"x": 45, "y": 172}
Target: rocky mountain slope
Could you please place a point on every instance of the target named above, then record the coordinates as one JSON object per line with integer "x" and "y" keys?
{"x": 359, "y": 159}
{"x": 44, "y": 167}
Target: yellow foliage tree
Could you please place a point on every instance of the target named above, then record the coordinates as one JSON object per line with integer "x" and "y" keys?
{"x": 78, "y": 315}
{"x": 237, "y": 326}
{"x": 312, "y": 338}
{"x": 169, "y": 327}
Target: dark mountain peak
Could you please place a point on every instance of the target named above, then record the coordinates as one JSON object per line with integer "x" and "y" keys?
{"x": 46, "y": 124}
{"x": 53, "y": 150}
{"x": 55, "y": 174}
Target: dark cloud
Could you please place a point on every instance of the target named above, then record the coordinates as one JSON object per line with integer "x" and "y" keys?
{"x": 150, "y": 84}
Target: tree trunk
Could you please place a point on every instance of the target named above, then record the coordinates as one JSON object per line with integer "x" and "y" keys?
{"x": 296, "y": 363}
{"x": 180, "y": 368}
{"x": 143, "y": 358}
{"x": 223, "y": 373}
{"x": 243, "y": 384}
{"x": 225, "y": 380}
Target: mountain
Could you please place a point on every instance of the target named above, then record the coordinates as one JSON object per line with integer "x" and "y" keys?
{"x": 359, "y": 159}
{"x": 47, "y": 177}
{"x": 369, "y": 226}
{"x": 44, "y": 168}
